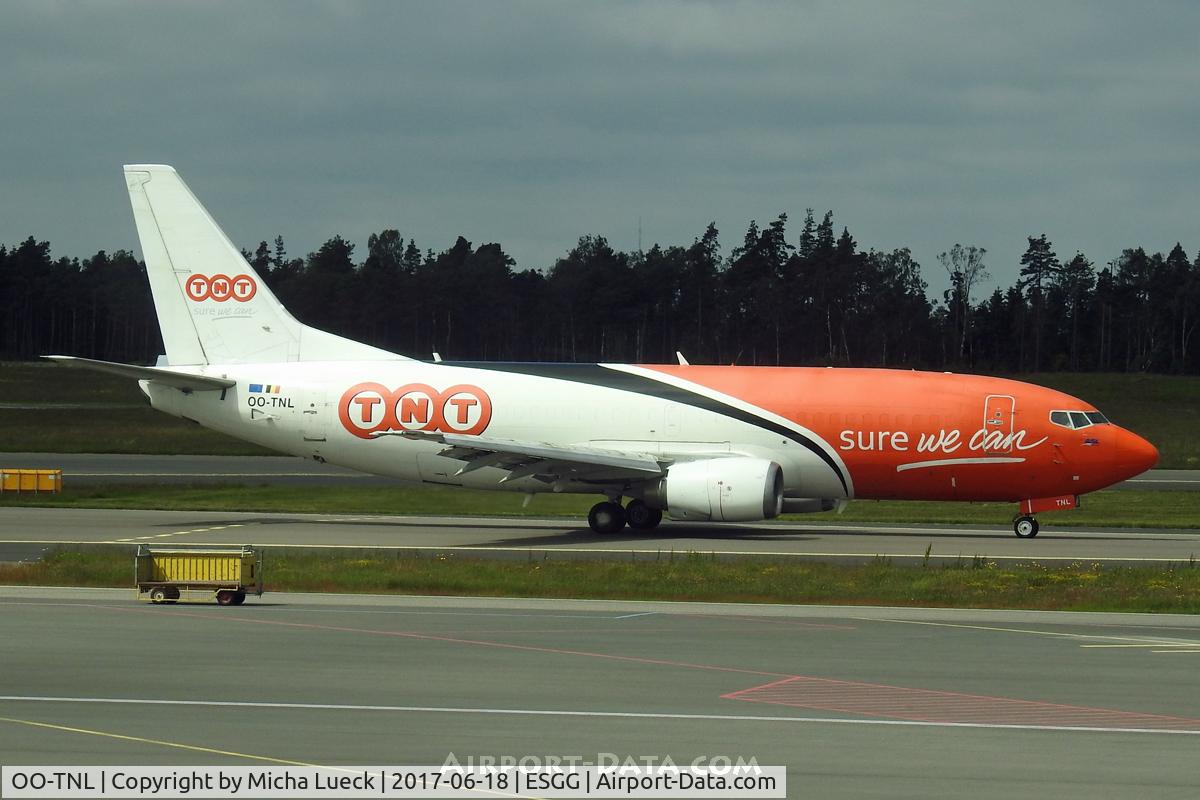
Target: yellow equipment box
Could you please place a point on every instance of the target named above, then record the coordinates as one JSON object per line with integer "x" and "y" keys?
{"x": 30, "y": 480}
{"x": 162, "y": 574}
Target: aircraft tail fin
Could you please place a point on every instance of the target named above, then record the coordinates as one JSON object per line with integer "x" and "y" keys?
{"x": 212, "y": 307}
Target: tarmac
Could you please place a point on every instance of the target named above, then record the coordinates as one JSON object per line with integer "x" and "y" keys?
{"x": 856, "y": 702}
{"x": 25, "y": 533}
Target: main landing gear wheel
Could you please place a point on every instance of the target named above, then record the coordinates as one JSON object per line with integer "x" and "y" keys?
{"x": 606, "y": 517}
{"x": 1025, "y": 527}
{"x": 642, "y": 517}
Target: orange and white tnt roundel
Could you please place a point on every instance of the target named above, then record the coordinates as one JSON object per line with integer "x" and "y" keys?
{"x": 369, "y": 408}
{"x": 220, "y": 288}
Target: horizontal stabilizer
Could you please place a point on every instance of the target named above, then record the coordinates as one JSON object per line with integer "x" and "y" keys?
{"x": 168, "y": 377}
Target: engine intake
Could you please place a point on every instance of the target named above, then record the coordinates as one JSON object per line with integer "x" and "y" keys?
{"x": 720, "y": 489}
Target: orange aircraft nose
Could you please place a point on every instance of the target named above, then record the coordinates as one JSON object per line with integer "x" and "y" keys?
{"x": 1134, "y": 454}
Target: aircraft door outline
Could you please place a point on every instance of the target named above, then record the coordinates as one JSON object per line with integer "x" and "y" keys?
{"x": 999, "y": 412}
{"x": 314, "y": 414}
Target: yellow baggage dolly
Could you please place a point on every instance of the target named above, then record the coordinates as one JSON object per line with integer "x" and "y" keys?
{"x": 163, "y": 575}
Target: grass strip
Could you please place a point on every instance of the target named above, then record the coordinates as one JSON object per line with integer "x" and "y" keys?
{"x": 136, "y": 429}
{"x": 1128, "y": 508}
{"x": 969, "y": 583}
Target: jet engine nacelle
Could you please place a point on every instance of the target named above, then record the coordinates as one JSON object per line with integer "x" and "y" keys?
{"x": 720, "y": 489}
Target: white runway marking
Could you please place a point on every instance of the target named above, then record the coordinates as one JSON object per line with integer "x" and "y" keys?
{"x": 530, "y": 712}
{"x": 598, "y": 616}
{"x": 181, "y": 533}
{"x": 624, "y": 552}
{"x": 176, "y": 533}
{"x": 1145, "y": 645}
{"x": 1140, "y": 641}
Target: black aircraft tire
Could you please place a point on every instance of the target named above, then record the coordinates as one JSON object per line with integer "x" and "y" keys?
{"x": 606, "y": 517}
{"x": 642, "y": 517}
{"x": 1025, "y": 527}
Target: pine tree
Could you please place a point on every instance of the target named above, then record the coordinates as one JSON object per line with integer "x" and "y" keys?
{"x": 1075, "y": 281}
{"x": 1039, "y": 265}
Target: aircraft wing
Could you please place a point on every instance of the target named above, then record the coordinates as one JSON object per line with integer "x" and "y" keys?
{"x": 178, "y": 379}
{"x": 546, "y": 462}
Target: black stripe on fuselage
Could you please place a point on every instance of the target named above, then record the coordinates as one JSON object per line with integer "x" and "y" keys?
{"x": 597, "y": 375}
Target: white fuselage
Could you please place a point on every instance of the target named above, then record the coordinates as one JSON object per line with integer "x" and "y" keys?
{"x": 328, "y": 410}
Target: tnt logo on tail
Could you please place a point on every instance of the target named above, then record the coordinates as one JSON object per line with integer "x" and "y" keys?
{"x": 369, "y": 408}
{"x": 220, "y": 288}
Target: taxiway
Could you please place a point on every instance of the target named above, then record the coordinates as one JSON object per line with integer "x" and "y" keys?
{"x": 26, "y": 532}
{"x": 856, "y": 702}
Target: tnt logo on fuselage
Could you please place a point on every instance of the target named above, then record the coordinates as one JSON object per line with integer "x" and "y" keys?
{"x": 220, "y": 288}
{"x": 369, "y": 408}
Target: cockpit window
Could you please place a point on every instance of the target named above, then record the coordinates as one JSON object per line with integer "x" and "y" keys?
{"x": 1078, "y": 419}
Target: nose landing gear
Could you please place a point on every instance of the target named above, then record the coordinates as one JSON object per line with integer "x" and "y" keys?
{"x": 1025, "y": 526}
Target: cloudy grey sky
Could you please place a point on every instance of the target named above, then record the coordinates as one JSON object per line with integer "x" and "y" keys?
{"x": 919, "y": 124}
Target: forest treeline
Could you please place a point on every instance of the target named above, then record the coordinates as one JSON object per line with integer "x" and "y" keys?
{"x": 777, "y": 297}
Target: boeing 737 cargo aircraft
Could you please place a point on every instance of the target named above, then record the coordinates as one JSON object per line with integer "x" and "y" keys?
{"x": 699, "y": 443}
